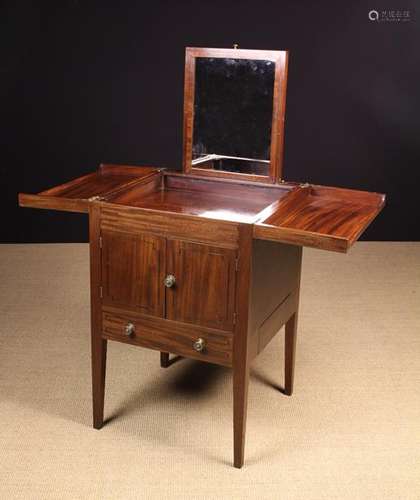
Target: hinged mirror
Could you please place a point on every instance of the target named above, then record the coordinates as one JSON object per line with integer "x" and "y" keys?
{"x": 234, "y": 105}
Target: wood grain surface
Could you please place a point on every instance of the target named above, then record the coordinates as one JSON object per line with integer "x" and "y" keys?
{"x": 204, "y": 291}
{"x": 168, "y": 336}
{"x": 321, "y": 217}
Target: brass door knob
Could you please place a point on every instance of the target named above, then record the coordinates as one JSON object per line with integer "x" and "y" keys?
{"x": 129, "y": 329}
{"x": 169, "y": 281}
{"x": 199, "y": 345}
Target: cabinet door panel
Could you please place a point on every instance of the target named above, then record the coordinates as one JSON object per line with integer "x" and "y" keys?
{"x": 205, "y": 284}
{"x": 133, "y": 268}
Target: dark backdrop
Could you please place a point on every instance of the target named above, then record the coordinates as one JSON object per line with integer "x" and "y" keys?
{"x": 83, "y": 84}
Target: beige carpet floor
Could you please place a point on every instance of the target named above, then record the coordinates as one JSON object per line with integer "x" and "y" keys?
{"x": 350, "y": 431}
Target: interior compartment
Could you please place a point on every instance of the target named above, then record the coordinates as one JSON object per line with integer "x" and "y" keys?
{"x": 300, "y": 214}
{"x": 210, "y": 198}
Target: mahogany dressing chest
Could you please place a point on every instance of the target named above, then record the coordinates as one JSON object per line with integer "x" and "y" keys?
{"x": 205, "y": 263}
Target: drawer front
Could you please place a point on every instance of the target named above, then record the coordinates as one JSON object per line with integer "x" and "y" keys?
{"x": 169, "y": 336}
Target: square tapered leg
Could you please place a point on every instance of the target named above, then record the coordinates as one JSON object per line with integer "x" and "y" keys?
{"x": 164, "y": 359}
{"x": 290, "y": 353}
{"x": 240, "y": 400}
{"x": 99, "y": 348}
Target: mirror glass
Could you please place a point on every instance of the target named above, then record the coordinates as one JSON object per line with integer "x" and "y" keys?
{"x": 233, "y": 106}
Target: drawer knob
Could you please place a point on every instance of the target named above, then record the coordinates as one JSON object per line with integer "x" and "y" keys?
{"x": 169, "y": 281}
{"x": 199, "y": 345}
{"x": 129, "y": 329}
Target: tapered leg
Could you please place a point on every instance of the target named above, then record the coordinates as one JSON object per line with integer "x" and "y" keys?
{"x": 240, "y": 401}
{"x": 290, "y": 350}
{"x": 164, "y": 359}
{"x": 98, "y": 344}
{"x": 241, "y": 356}
{"x": 98, "y": 380}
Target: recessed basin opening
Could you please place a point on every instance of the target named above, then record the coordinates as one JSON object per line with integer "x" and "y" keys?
{"x": 210, "y": 198}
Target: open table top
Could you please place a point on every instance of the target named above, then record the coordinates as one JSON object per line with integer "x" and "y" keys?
{"x": 302, "y": 214}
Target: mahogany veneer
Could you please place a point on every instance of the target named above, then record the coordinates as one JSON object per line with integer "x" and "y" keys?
{"x": 322, "y": 217}
{"x": 205, "y": 264}
{"x": 234, "y": 247}
{"x": 75, "y": 195}
{"x": 307, "y": 215}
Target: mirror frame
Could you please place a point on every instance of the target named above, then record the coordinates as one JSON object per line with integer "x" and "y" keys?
{"x": 280, "y": 59}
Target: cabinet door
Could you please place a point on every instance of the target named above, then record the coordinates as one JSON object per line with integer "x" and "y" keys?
{"x": 204, "y": 290}
{"x": 133, "y": 269}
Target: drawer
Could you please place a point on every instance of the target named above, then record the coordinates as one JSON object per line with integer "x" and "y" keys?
{"x": 169, "y": 336}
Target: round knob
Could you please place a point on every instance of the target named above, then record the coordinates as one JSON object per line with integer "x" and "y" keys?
{"x": 129, "y": 329}
{"x": 169, "y": 281}
{"x": 199, "y": 345}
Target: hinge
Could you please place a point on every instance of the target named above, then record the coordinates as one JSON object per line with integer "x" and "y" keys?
{"x": 100, "y": 241}
{"x": 101, "y": 292}
{"x": 234, "y": 318}
{"x": 236, "y": 263}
